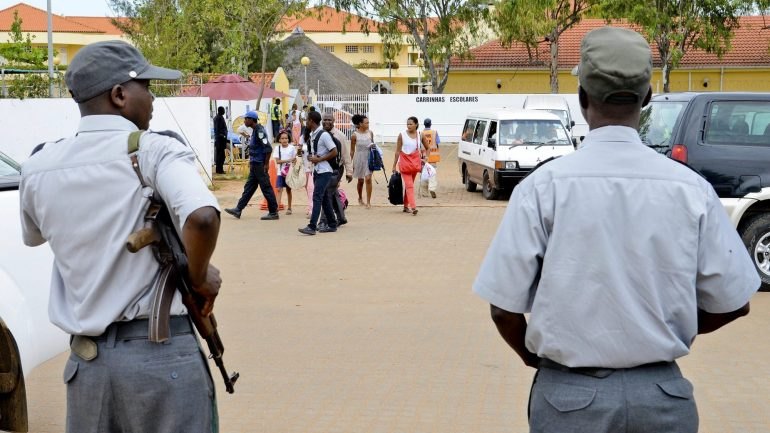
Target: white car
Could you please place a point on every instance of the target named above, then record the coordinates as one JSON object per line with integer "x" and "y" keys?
{"x": 25, "y": 277}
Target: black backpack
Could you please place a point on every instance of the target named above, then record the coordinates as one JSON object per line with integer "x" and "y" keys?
{"x": 334, "y": 162}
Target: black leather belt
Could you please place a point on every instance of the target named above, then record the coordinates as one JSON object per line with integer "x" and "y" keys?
{"x": 598, "y": 372}
{"x": 137, "y": 329}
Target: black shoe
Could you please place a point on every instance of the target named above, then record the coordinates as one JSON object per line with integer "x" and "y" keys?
{"x": 220, "y": 172}
{"x": 342, "y": 222}
{"x": 327, "y": 229}
{"x": 234, "y": 212}
{"x": 307, "y": 230}
{"x": 322, "y": 226}
{"x": 270, "y": 216}
{"x": 433, "y": 194}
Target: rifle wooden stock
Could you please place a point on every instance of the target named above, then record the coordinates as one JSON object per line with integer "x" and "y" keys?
{"x": 141, "y": 238}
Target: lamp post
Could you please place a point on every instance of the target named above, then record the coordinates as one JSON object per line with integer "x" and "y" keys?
{"x": 420, "y": 62}
{"x": 305, "y": 61}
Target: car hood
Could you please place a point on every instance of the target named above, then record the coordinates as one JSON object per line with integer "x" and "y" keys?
{"x": 530, "y": 156}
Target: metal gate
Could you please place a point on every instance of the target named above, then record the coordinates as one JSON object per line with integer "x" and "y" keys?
{"x": 343, "y": 107}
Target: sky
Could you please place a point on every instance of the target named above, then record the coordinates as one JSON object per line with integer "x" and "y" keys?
{"x": 95, "y": 8}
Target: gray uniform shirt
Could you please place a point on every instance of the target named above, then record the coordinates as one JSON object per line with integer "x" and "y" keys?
{"x": 325, "y": 145}
{"x": 612, "y": 249}
{"x": 81, "y": 195}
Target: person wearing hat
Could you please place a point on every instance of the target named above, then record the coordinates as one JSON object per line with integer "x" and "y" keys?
{"x": 259, "y": 163}
{"x": 621, "y": 256}
{"x": 431, "y": 139}
{"x": 82, "y": 196}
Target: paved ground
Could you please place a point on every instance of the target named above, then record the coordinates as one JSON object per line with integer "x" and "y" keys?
{"x": 385, "y": 335}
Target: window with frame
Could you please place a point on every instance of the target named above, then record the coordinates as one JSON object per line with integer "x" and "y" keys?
{"x": 367, "y": 49}
{"x": 741, "y": 123}
{"x": 480, "y": 128}
{"x": 351, "y": 49}
{"x": 329, "y": 48}
{"x": 468, "y": 128}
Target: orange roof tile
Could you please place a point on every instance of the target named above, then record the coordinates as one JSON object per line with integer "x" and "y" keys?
{"x": 36, "y": 20}
{"x": 328, "y": 19}
{"x": 749, "y": 47}
{"x": 103, "y": 24}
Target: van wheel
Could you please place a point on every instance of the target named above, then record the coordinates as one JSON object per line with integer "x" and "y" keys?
{"x": 756, "y": 237}
{"x": 487, "y": 190}
{"x": 470, "y": 186}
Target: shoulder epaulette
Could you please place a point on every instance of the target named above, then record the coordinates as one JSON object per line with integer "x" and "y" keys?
{"x": 40, "y": 146}
{"x": 172, "y": 134}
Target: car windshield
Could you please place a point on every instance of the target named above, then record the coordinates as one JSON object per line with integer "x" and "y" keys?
{"x": 561, "y": 114}
{"x": 9, "y": 172}
{"x": 533, "y": 132}
{"x": 657, "y": 122}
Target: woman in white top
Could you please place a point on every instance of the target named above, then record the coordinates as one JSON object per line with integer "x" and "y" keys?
{"x": 361, "y": 142}
{"x": 296, "y": 124}
{"x": 284, "y": 155}
{"x": 408, "y": 160}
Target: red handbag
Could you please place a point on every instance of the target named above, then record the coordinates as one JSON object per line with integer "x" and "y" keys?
{"x": 410, "y": 163}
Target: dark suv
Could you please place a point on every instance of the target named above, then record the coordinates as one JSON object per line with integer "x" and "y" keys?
{"x": 726, "y": 138}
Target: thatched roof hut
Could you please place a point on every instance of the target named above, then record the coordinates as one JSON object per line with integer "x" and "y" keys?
{"x": 326, "y": 74}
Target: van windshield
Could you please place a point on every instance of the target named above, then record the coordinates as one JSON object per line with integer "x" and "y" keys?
{"x": 561, "y": 114}
{"x": 657, "y": 122}
{"x": 532, "y": 132}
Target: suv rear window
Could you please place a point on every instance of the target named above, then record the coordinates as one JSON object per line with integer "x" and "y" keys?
{"x": 657, "y": 122}
{"x": 742, "y": 123}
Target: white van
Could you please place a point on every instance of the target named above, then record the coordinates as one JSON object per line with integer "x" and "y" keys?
{"x": 553, "y": 104}
{"x": 499, "y": 147}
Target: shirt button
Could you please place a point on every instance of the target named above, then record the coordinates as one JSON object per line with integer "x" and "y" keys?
{"x": 174, "y": 375}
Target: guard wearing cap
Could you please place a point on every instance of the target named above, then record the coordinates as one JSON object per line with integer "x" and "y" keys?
{"x": 621, "y": 256}
{"x": 82, "y": 196}
{"x": 259, "y": 160}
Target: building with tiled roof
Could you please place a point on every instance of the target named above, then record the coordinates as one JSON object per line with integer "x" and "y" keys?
{"x": 343, "y": 35}
{"x": 496, "y": 69}
{"x": 70, "y": 34}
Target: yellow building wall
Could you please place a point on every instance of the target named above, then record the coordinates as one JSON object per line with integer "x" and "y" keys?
{"x": 682, "y": 80}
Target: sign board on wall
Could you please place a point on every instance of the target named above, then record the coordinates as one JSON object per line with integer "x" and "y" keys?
{"x": 388, "y": 113}
{"x": 29, "y": 122}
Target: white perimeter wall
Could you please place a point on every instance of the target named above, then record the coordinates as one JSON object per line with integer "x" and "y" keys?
{"x": 29, "y": 122}
{"x": 388, "y": 113}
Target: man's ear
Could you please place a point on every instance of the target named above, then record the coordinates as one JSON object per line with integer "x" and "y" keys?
{"x": 583, "y": 98}
{"x": 118, "y": 96}
{"x": 647, "y": 98}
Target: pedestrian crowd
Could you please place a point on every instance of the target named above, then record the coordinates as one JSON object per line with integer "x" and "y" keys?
{"x": 311, "y": 153}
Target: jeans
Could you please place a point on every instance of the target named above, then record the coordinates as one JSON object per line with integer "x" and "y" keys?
{"x": 258, "y": 177}
{"x": 337, "y": 205}
{"x": 321, "y": 200}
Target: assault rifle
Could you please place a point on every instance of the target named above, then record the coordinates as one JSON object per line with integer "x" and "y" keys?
{"x": 160, "y": 233}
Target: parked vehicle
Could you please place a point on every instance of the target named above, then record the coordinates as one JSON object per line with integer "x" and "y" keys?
{"x": 726, "y": 138}
{"x": 553, "y": 104}
{"x": 499, "y": 147}
{"x": 25, "y": 276}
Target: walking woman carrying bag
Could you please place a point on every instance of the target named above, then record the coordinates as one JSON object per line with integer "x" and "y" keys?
{"x": 408, "y": 161}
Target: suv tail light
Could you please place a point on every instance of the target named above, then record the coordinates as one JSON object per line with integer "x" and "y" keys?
{"x": 679, "y": 153}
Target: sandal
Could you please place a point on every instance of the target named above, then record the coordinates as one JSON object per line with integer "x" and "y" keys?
{"x": 406, "y": 210}
{"x": 361, "y": 201}
{"x": 288, "y": 211}
{"x": 368, "y": 206}
{"x": 414, "y": 211}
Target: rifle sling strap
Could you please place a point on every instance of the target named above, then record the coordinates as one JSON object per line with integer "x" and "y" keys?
{"x": 164, "y": 284}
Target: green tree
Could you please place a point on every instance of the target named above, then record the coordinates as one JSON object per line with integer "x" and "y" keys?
{"x": 440, "y": 29}
{"x": 19, "y": 53}
{"x": 678, "y": 26}
{"x": 533, "y": 21}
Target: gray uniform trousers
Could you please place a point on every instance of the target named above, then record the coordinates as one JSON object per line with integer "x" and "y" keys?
{"x": 645, "y": 399}
{"x": 136, "y": 386}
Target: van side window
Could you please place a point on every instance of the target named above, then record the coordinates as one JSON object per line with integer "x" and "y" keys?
{"x": 492, "y": 131}
{"x": 742, "y": 123}
{"x": 468, "y": 128}
{"x": 479, "y": 134}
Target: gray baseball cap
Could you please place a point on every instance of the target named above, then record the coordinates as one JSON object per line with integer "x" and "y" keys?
{"x": 615, "y": 65}
{"x": 97, "y": 67}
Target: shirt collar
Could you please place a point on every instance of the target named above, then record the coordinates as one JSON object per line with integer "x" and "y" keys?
{"x": 105, "y": 122}
{"x": 611, "y": 134}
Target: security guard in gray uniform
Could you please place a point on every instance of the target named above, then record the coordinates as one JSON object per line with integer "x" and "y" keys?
{"x": 622, "y": 256}
{"x": 82, "y": 196}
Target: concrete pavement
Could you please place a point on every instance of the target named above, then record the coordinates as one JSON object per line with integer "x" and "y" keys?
{"x": 384, "y": 334}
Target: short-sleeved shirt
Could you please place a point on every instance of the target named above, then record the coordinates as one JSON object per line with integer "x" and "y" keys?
{"x": 259, "y": 145}
{"x": 325, "y": 145}
{"x": 284, "y": 153}
{"x": 613, "y": 249}
{"x": 81, "y": 196}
